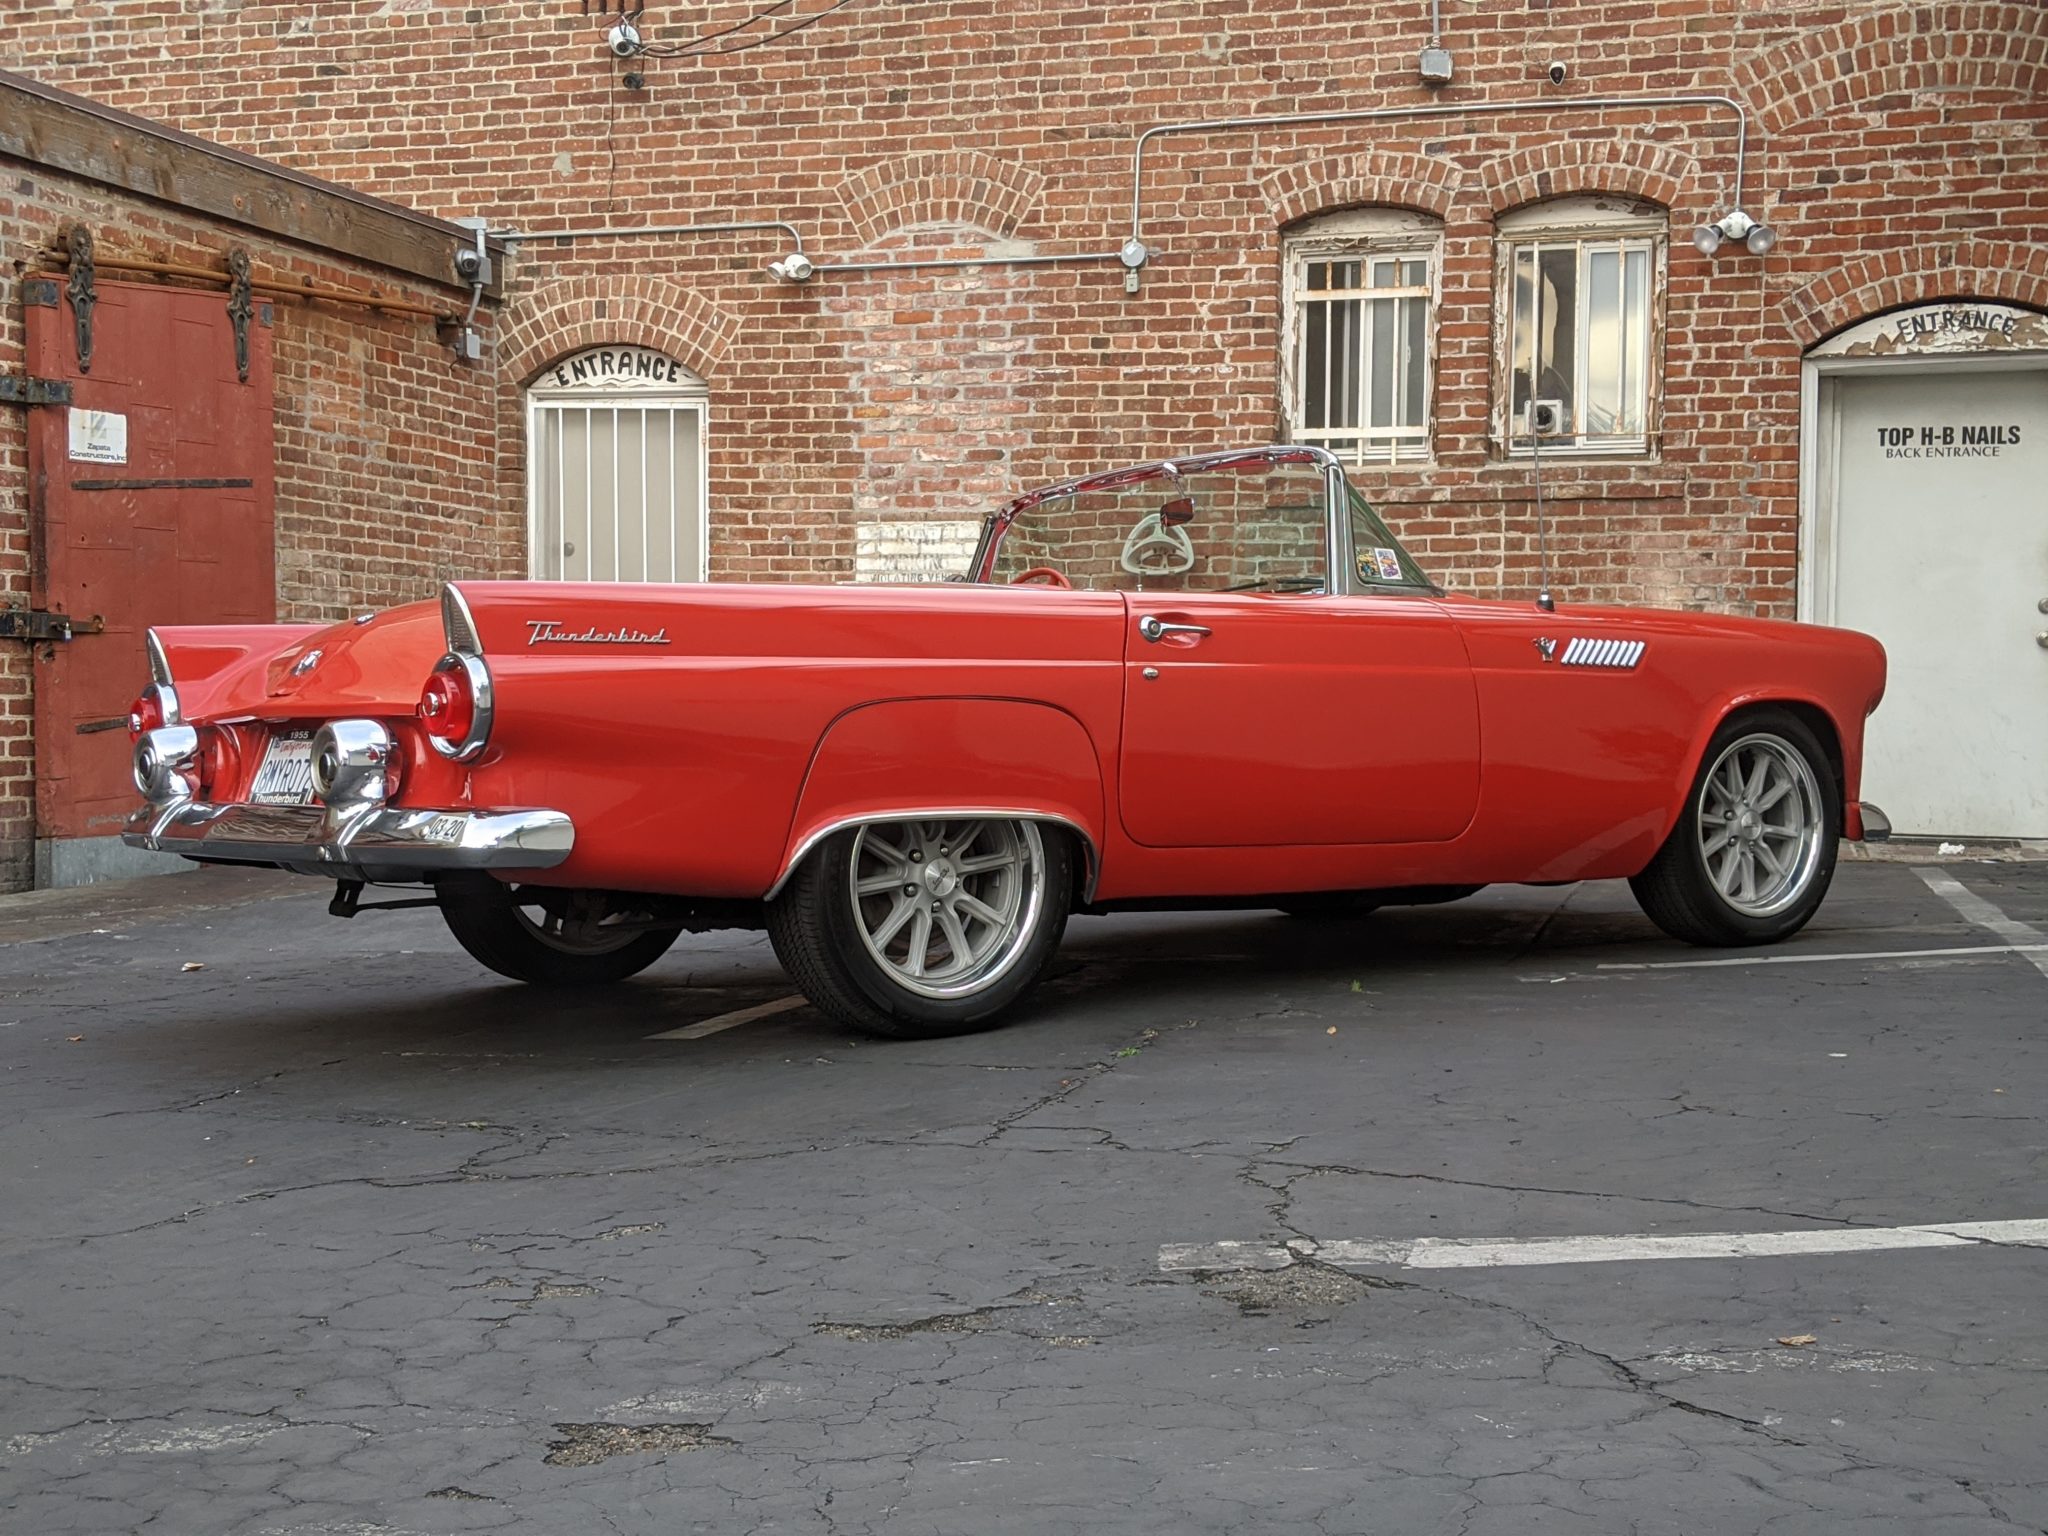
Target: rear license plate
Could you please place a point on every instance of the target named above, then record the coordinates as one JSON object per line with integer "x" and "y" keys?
{"x": 286, "y": 777}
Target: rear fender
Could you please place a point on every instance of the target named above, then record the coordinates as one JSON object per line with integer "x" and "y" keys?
{"x": 950, "y": 757}
{"x": 199, "y": 660}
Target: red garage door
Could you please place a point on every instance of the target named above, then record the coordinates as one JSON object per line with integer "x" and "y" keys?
{"x": 150, "y": 503}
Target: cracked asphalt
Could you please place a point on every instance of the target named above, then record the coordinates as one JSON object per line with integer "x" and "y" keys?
{"x": 334, "y": 1234}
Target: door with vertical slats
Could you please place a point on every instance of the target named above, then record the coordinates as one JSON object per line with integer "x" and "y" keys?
{"x": 616, "y": 468}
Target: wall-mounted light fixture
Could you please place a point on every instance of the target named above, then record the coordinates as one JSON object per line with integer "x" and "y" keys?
{"x": 793, "y": 268}
{"x": 1760, "y": 238}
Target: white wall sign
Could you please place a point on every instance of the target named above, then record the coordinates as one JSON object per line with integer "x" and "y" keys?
{"x": 99, "y": 437}
{"x": 914, "y": 552}
{"x": 610, "y": 369}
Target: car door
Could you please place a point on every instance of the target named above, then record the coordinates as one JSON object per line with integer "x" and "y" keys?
{"x": 1259, "y": 720}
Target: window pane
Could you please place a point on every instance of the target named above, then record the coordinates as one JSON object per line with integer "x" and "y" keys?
{"x": 1415, "y": 401}
{"x": 1315, "y": 409}
{"x": 1520, "y": 355}
{"x": 1636, "y": 342}
{"x": 544, "y": 560}
{"x": 1603, "y": 327}
{"x": 1344, "y": 343}
{"x": 1386, "y": 274}
{"x": 1318, "y": 276}
{"x": 1381, "y": 393}
{"x": 1557, "y": 338}
{"x": 1414, "y": 273}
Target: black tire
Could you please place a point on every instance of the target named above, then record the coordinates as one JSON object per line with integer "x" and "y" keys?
{"x": 814, "y": 926}
{"x": 1679, "y": 892}
{"x": 488, "y": 920}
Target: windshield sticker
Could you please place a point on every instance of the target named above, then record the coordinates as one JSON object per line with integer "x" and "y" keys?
{"x": 1387, "y": 564}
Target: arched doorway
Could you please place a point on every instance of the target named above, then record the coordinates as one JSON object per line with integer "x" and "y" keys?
{"x": 616, "y": 442}
{"x": 1924, "y": 502}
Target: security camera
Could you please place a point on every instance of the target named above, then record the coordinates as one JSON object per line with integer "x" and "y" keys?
{"x": 1557, "y": 74}
{"x": 624, "y": 40}
{"x": 469, "y": 263}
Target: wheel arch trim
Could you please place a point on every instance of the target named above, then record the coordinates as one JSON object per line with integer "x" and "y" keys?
{"x": 1090, "y": 855}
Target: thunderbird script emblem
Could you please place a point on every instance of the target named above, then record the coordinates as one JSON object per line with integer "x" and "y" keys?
{"x": 554, "y": 632}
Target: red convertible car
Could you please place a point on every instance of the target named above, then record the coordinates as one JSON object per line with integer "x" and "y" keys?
{"x": 1216, "y": 681}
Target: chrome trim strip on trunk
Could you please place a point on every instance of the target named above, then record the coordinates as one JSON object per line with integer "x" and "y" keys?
{"x": 389, "y": 842}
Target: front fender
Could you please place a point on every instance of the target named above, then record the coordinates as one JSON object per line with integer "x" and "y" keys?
{"x": 954, "y": 756}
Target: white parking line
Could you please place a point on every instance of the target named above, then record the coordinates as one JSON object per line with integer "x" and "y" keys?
{"x": 1963, "y": 951}
{"x": 2023, "y": 938}
{"x": 733, "y": 1020}
{"x": 1492, "y": 1253}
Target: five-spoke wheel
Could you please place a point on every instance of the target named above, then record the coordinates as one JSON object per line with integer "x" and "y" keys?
{"x": 1754, "y": 847}
{"x": 924, "y": 926}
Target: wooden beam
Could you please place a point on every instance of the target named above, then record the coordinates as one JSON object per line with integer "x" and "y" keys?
{"x": 58, "y": 131}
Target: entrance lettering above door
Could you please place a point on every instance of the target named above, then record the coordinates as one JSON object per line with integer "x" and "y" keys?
{"x": 1962, "y": 326}
{"x": 610, "y": 368}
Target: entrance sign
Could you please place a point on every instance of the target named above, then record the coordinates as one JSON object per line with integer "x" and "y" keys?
{"x": 1956, "y": 328}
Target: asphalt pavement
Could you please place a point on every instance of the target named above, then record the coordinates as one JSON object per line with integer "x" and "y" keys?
{"x": 311, "y": 1228}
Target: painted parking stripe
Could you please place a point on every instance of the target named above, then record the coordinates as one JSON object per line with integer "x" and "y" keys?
{"x": 1965, "y": 951}
{"x": 724, "y": 1021}
{"x": 2023, "y": 938}
{"x": 1512, "y": 1252}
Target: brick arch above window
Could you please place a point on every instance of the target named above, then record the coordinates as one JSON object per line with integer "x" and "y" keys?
{"x": 1367, "y": 178}
{"x": 1983, "y": 48}
{"x": 573, "y": 313}
{"x": 1979, "y": 269}
{"x": 957, "y": 186}
{"x": 1577, "y": 167}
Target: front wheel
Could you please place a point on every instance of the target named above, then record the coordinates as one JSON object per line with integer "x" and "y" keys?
{"x": 917, "y": 929}
{"x": 1754, "y": 848}
{"x": 551, "y": 937}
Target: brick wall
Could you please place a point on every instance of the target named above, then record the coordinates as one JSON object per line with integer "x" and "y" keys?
{"x": 386, "y": 472}
{"x": 1897, "y": 146}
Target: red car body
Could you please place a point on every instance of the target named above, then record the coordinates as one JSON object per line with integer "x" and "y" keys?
{"x": 700, "y": 740}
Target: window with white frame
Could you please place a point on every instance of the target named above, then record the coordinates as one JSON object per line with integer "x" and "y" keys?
{"x": 1580, "y": 281}
{"x": 1357, "y": 378}
{"x": 616, "y": 468}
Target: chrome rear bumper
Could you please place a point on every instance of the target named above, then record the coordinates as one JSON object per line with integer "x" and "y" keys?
{"x": 373, "y": 842}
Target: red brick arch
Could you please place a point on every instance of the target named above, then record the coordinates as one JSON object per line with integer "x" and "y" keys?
{"x": 1979, "y": 269}
{"x": 573, "y": 313}
{"x": 1569, "y": 167}
{"x": 958, "y": 186}
{"x": 1366, "y": 178}
{"x": 1983, "y": 48}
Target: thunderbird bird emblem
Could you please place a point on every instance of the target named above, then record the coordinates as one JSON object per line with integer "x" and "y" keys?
{"x": 1546, "y": 647}
{"x": 305, "y": 663}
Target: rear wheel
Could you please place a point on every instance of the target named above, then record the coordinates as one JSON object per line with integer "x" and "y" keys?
{"x": 1754, "y": 848}
{"x": 551, "y": 937}
{"x": 916, "y": 929}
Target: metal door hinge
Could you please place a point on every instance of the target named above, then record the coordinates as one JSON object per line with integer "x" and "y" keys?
{"x": 20, "y": 389}
{"x": 79, "y": 289}
{"x": 34, "y": 625}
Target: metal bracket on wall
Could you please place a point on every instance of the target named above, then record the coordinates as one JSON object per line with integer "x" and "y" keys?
{"x": 241, "y": 306}
{"x": 36, "y": 626}
{"x": 20, "y": 389}
{"x": 78, "y": 288}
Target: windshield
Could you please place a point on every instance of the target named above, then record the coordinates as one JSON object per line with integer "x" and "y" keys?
{"x": 1377, "y": 555}
{"x": 1251, "y": 526}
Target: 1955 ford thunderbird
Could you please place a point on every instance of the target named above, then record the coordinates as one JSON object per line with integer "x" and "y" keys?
{"x": 1215, "y": 681}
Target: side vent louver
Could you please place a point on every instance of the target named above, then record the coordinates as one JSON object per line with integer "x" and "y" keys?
{"x": 1582, "y": 652}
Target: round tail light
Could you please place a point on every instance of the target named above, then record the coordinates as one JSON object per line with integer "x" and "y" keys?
{"x": 455, "y": 707}
{"x": 157, "y": 707}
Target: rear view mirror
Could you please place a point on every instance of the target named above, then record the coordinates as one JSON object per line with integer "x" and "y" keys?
{"x": 1177, "y": 512}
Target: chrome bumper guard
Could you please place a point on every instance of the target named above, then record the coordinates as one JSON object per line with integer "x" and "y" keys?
{"x": 1877, "y": 827}
{"x": 377, "y": 842}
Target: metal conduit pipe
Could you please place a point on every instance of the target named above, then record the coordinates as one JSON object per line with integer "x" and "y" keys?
{"x": 1128, "y": 256}
{"x": 1456, "y": 109}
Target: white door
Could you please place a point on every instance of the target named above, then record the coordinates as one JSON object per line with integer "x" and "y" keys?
{"x": 1940, "y": 549}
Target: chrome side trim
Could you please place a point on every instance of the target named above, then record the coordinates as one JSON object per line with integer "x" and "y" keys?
{"x": 458, "y": 625}
{"x": 355, "y": 841}
{"x": 1089, "y": 852}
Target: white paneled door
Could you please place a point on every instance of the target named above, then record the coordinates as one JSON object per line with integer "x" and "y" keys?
{"x": 615, "y": 473}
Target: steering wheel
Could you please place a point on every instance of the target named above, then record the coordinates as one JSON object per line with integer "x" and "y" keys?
{"x": 1044, "y": 573}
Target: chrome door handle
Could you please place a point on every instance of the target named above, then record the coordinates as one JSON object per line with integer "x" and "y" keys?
{"x": 1153, "y": 628}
